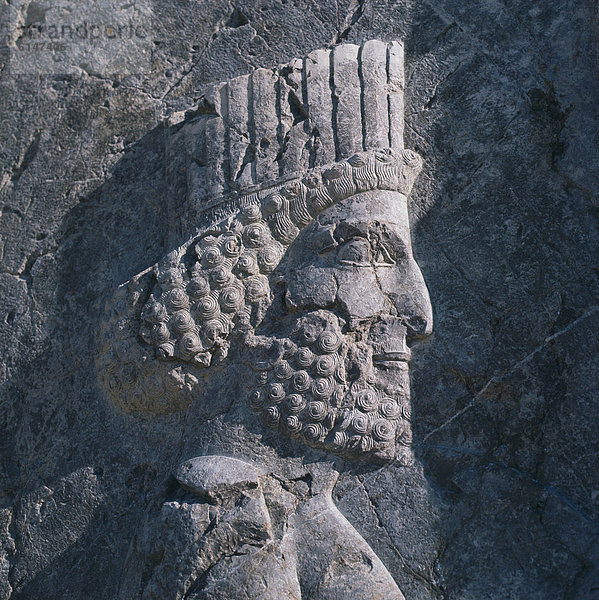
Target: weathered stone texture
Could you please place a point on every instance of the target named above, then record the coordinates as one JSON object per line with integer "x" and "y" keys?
{"x": 501, "y": 497}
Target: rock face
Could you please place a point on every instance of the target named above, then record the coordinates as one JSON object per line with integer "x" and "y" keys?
{"x": 221, "y": 264}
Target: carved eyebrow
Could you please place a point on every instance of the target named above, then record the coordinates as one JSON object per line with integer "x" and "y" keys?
{"x": 365, "y": 253}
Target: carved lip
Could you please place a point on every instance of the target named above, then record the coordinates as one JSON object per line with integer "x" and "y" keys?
{"x": 392, "y": 359}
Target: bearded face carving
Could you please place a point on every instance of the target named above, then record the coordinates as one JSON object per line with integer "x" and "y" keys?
{"x": 331, "y": 366}
{"x": 332, "y": 369}
{"x": 313, "y": 274}
{"x": 298, "y": 264}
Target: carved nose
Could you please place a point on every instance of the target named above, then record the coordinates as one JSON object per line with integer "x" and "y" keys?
{"x": 413, "y": 304}
{"x": 417, "y": 315}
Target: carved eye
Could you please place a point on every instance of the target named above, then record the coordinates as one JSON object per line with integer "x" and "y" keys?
{"x": 389, "y": 248}
{"x": 384, "y": 257}
{"x": 356, "y": 251}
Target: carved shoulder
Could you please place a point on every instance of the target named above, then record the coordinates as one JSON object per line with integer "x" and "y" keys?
{"x": 214, "y": 476}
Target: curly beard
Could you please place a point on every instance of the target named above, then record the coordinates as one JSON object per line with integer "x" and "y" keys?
{"x": 331, "y": 390}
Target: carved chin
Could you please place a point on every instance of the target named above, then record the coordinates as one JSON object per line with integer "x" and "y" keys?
{"x": 323, "y": 388}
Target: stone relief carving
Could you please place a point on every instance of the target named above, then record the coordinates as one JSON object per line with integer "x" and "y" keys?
{"x": 235, "y": 531}
{"x": 295, "y": 182}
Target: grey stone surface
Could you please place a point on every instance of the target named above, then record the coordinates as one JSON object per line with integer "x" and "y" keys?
{"x": 277, "y": 538}
{"x": 501, "y": 497}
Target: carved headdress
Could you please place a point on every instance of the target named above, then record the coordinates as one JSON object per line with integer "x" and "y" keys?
{"x": 275, "y": 130}
{"x": 264, "y": 154}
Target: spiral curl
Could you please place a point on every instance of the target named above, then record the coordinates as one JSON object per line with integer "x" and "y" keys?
{"x": 304, "y": 357}
{"x": 207, "y": 307}
{"x": 231, "y": 298}
{"x": 309, "y": 333}
{"x": 366, "y": 444}
{"x": 256, "y": 287}
{"x": 314, "y": 432}
{"x": 250, "y": 213}
{"x": 339, "y": 395}
{"x": 198, "y": 287}
{"x": 255, "y": 235}
{"x": 360, "y": 423}
{"x": 160, "y": 334}
{"x": 276, "y": 392}
{"x": 261, "y": 377}
{"x": 340, "y": 439}
{"x": 272, "y": 415}
{"x": 389, "y": 409}
{"x": 301, "y": 381}
{"x": 232, "y": 245}
{"x": 212, "y": 330}
{"x": 154, "y": 312}
{"x": 177, "y": 299}
{"x": 212, "y": 257}
{"x": 269, "y": 257}
{"x": 189, "y": 345}
{"x": 340, "y": 373}
{"x": 283, "y": 370}
{"x": 328, "y": 342}
{"x": 256, "y": 399}
{"x": 405, "y": 437}
{"x": 322, "y": 388}
{"x": 181, "y": 322}
{"x": 247, "y": 264}
{"x": 295, "y": 403}
{"x": 293, "y": 424}
{"x": 325, "y": 365}
{"x": 411, "y": 159}
{"x": 166, "y": 350}
{"x": 383, "y": 430}
{"x": 367, "y": 400}
{"x": 317, "y": 411}
{"x": 220, "y": 277}
{"x": 273, "y": 203}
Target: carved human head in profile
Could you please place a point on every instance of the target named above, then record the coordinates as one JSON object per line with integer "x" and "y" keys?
{"x": 311, "y": 273}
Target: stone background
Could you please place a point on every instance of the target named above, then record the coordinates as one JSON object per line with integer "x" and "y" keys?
{"x": 503, "y": 106}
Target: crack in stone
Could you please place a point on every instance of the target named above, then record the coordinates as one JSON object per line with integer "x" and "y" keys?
{"x": 450, "y": 539}
{"x": 555, "y": 246}
{"x": 553, "y": 490}
{"x": 11, "y": 553}
{"x": 218, "y": 26}
{"x": 488, "y": 154}
{"x": 498, "y": 378}
{"x": 482, "y": 299}
{"x": 417, "y": 575}
{"x": 441, "y": 82}
{"x": 355, "y": 13}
